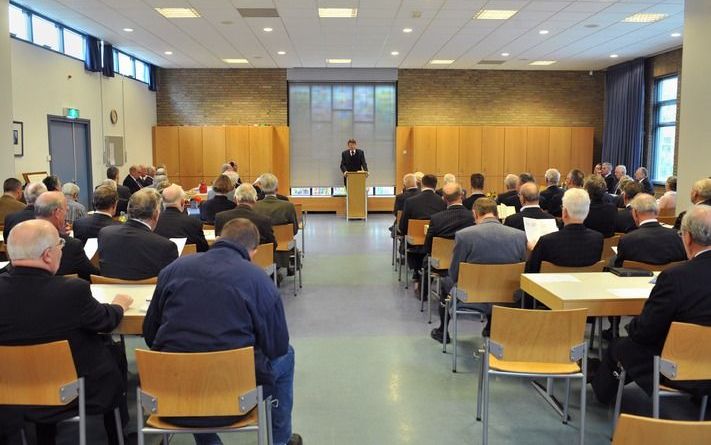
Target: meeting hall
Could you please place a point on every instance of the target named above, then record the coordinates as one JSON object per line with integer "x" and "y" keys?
{"x": 335, "y": 222}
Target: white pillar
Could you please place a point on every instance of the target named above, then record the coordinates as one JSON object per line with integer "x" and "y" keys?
{"x": 7, "y": 160}
{"x": 694, "y": 160}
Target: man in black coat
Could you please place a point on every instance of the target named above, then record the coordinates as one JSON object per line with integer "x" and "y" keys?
{"x": 514, "y": 200}
{"x": 641, "y": 175}
{"x": 529, "y": 198}
{"x": 553, "y": 194}
{"x": 352, "y": 159}
{"x": 105, "y": 200}
{"x": 245, "y": 198}
{"x": 510, "y": 182}
{"x": 681, "y": 293}
{"x": 455, "y": 217}
{"x": 700, "y": 195}
{"x": 174, "y": 223}
{"x": 131, "y": 251}
{"x": 32, "y": 191}
{"x": 624, "y": 222}
{"x": 610, "y": 180}
{"x": 124, "y": 193}
{"x": 409, "y": 182}
{"x": 650, "y": 243}
{"x": 133, "y": 179}
{"x": 477, "y": 182}
{"x": 39, "y": 307}
{"x": 602, "y": 214}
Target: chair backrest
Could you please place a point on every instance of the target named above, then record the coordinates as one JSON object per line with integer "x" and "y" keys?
{"x": 668, "y": 220}
{"x": 189, "y": 249}
{"x": 98, "y": 279}
{"x": 397, "y": 218}
{"x": 442, "y": 250}
{"x": 299, "y": 212}
{"x": 607, "y": 246}
{"x": 668, "y": 212}
{"x": 688, "y": 346}
{"x": 636, "y": 430}
{"x": 284, "y": 234}
{"x": 198, "y": 383}
{"x": 416, "y": 231}
{"x": 649, "y": 267}
{"x": 28, "y": 380}
{"x": 208, "y": 226}
{"x": 264, "y": 256}
{"x": 538, "y": 336}
{"x": 490, "y": 283}
{"x": 547, "y": 267}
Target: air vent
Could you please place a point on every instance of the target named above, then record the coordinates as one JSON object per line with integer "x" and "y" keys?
{"x": 250, "y": 13}
{"x": 491, "y": 62}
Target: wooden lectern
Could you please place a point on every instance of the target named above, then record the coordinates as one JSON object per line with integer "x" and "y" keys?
{"x": 356, "y": 196}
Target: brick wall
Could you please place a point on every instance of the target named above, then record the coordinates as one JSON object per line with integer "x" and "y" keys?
{"x": 221, "y": 97}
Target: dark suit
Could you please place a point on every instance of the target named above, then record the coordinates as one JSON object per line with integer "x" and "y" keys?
{"x": 602, "y": 218}
{"x": 651, "y": 243}
{"x": 647, "y": 186}
{"x": 553, "y": 200}
{"x": 624, "y": 222}
{"x": 516, "y": 220}
{"x": 446, "y": 223}
{"x": 353, "y": 163}
{"x": 263, "y": 223}
{"x": 173, "y": 223}
{"x": 469, "y": 201}
{"x": 74, "y": 260}
{"x": 131, "y": 251}
{"x": 611, "y": 183}
{"x": 147, "y": 181}
{"x": 512, "y": 201}
{"x": 16, "y": 218}
{"x": 506, "y": 195}
{"x": 212, "y": 207}
{"x": 124, "y": 194}
{"x": 421, "y": 206}
{"x": 279, "y": 211}
{"x": 573, "y": 246}
{"x": 89, "y": 226}
{"x": 681, "y": 293}
{"x": 402, "y": 197}
{"x": 677, "y": 223}
{"x": 133, "y": 185}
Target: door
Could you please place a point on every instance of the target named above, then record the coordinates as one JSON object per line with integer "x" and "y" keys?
{"x": 70, "y": 154}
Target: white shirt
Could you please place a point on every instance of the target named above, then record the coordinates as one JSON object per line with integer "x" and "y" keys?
{"x": 142, "y": 222}
{"x": 531, "y": 206}
{"x": 703, "y": 251}
{"x": 104, "y": 213}
{"x": 647, "y": 221}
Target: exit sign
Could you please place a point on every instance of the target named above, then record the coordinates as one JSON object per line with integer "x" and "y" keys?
{"x": 71, "y": 113}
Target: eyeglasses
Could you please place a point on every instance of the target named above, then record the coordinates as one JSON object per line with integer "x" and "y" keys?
{"x": 60, "y": 244}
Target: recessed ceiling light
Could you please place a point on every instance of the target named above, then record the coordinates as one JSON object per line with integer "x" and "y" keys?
{"x": 495, "y": 14}
{"x": 235, "y": 60}
{"x": 675, "y": 34}
{"x": 614, "y": 56}
{"x": 268, "y": 29}
{"x": 407, "y": 30}
{"x": 394, "y": 53}
{"x": 505, "y": 54}
{"x": 281, "y": 53}
{"x": 645, "y": 18}
{"x": 178, "y": 13}
{"x": 337, "y": 13}
{"x": 227, "y": 22}
{"x": 542, "y": 62}
{"x": 543, "y": 32}
{"x": 441, "y": 61}
{"x": 337, "y": 61}
{"x": 128, "y": 29}
{"x": 591, "y": 25}
{"x": 168, "y": 53}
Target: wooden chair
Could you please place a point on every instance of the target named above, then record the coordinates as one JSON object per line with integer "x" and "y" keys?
{"x": 98, "y": 279}
{"x": 668, "y": 212}
{"x": 284, "y": 234}
{"x": 636, "y": 430}
{"x": 607, "y": 246}
{"x": 547, "y": 267}
{"x": 650, "y": 267}
{"x": 71, "y": 275}
{"x": 206, "y": 226}
{"x": 437, "y": 265}
{"x": 415, "y": 237}
{"x": 668, "y": 220}
{"x": 480, "y": 283}
{"x": 686, "y": 356}
{"x": 27, "y": 380}
{"x": 535, "y": 344}
{"x": 200, "y": 384}
{"x": 264, "y": 258}
{"x": 302, "y": 226}
{"x": 189, "y": 249}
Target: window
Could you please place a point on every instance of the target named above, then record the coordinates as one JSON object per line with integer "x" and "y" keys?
{"x": 141, "y": 71}
{"x": 45, "y": 33}
{"x": 125, "y": 64}
{"x": 19, "y": 23}
{"x": 339, "y": 191}
{"x": 73, "y": 44}
{"x": 384, "y": 191}
{"x": 300, "y": 191}
{"x": 321, "y": 191}
{"x": 664, "y": 131}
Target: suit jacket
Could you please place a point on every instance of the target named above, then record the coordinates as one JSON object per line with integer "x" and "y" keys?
{"x": 611, "y": 183}
{"x": 89, "y": 226}
{"x": 261, "y": 195}
{"x": 133, "y": 185}
{"x": 677, "y": 223}
{"x": 553, "y": 200}
{"x": 489, "y": 242}
{"x": 573, "y": 246}
{"x": 131, "y": 251}
{"x": 602, "y": 218}
{"x": 16, "y": 218}
{"x": 421, "y": 206}
{"x": 74, "y": 260}
{"x": 647, "y": 186}
{"x": 470, "y": 200}
{"x": 173, "y": 223}
{"x": 651, "y": 243}
{"x": 124, "y": 194}
{"x": 516, "y": 220}
{"x": 624, "y": 222}
{"x": 506, "y": 195}
{"x": 40, "y": 308}
{"x": 212, "y": 207}
{"x": 278, "y": 211}
{"x": 512, "y": 201}
{"x": 446, "y": 223}
{"x": 263, "y": 223}
{"x": 147, "y": 181}
{"x": 353, "y": 163}
{"x": 402, "y": 197}
{"x": 9, "y": 205}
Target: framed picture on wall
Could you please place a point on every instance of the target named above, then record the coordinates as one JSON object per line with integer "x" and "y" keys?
{"x": 18, "y": 138}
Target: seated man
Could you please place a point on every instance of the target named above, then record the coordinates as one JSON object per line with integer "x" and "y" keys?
{"x": 448, "y": 222}
{"x": 75, "y": 209}
{"x": 700, "y": 194}
{"x": 173, "y": 223}
{"x": 219, "y": 203}
{"x": 131, "y": 251}
{"x": 528, "y": 198}
{"x": 681, "y": 293}
{"x": 105, "y": 202}
{"x": 246, "y": 198}
{"x": 514, "y": 200}
{"x": 487, "y": 242}
{"x": 650, "y": 243}
{"x": 277, "y": 210}
{"x": 668, "y": 200}
{"x": 476, "y": 180}
{"x": 409, "y": 183}
{"x": 32, "y": 191}
{"x": 601, "y": 216}
{"x": 624, "y": 222}
{"x": 510, "y": 182}
{"x": 553, "y": 194}
{"x": 641, "y": 175}
{"x": 575, "y": 245}
{"x": 42, "y": 308}
{"x": 10, "y": 200}
{"x": 52, "y": 207}
{"x": 124, "y": 193}
{"x": 219, "y": 300}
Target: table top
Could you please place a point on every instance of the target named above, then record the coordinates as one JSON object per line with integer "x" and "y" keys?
{"x": 602, "y": 293}
{"x": 132, "y": 323}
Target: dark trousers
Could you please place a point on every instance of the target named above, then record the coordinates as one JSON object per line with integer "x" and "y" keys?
{"x": 414, "y": 262}
{"x": 637, "y": 360}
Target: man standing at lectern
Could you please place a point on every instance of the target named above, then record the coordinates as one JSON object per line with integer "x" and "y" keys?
{"x": 352, "y": 159}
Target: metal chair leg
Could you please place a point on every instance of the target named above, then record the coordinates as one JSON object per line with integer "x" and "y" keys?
{"x": 119, "y": 426}
{"x": 139, "y": 418}
{"x": 567, "y": 400}
{"x": 583, "y": 397}
{"x": 407, "y": 269}
{"x": 481, "y": 383}
{"x": 704, "y": 404}
{"x": 454, "y": 333}
{"x": 655, "y": 388}
{"x": 618, "y": 398}
{"x": 301, "y": 266}
{"x": 422, "y": 285}
{"x": 485, "y": 385}
{"x": 82, "y": 412}
{"x": 446, "y": 321}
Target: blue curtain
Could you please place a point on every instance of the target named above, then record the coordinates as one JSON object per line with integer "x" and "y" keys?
{"x": 624, "y": 114}
{"x": 92, "y": 62}
{"x": 152, "y": 80}
{"x": 108, "y": 68}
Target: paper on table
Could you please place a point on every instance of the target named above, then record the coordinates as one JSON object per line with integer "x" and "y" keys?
{"x": 631, "y": 292}
{"x": 90, "y": 248}
{"x": 179, "y": 243}
{"x": 3, "y": 264}
{"x": 614, "y": 249}
{"x": 536, "y": 228}
{"x": 556, "y": 278}
{"x": 505, "y": 211}
{"x": 209, "y": 234}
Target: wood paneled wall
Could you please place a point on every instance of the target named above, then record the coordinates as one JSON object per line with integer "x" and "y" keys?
{"x": 194, "y": 153}
{"x": 493, "y": 151}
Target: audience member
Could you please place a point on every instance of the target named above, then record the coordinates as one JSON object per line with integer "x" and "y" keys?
{"x": 53, "y": 183}
{"x": 624, "y": 221}
{"x": 601, "y": 216}
{"x": 75, "y": 209}
{"x": 245, "y": 199}
{"x": 597, "y": 170}
{"x": 10, "y": 200}
{"x": 514, "y": 200}
{"x": 529, "y": 198}
{"x": 700, "y": 195}
{"x": 641, "y": 175}
{"x": 219, "y": 203}
{"x": 409, "y": 183}
{"x": 455, "y": 217}
{"x": 133, "y": 180}
{"x": 234, "y": 179}
{"x": 619, "y": 200}
{"x": 149, "y": 176}
{"x": 131, "y": 251}
{"x": 668, "y": 199}
{"x": 105, "y": 201}
{"x": 173, "y": 223}
{"x": 448, "y": 178}
{"x": 418, "y": 178}
{"x": 510, "y": 182}
{"x": 620, "y": 171}
{"x": 610, "y": 179}
{"x": 124, "y": 193}
{"x": 477, "y": 182}
{"x": 278, "y": 211}
{"x": 575, "y": 179}
{"x": 32, "y": 191}
{"x": 553, "y": 194}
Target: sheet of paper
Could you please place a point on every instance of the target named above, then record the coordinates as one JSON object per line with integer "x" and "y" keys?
{"x": 555, "y": 278}
{"x": 536, "y": 228}
{"x": 209, "y": 235}
{"x": 666, "y": 225}
{"x": 505, "y": 211}
{"x": 179, "y": 243}
{"x": 90, "y": 248}
{"x": 3, "y": 264}
{"x": 631, "y": 292}
{"x": 614, "y": 249}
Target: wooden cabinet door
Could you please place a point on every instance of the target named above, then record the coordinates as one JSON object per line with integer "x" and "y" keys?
{"x": 582, "y": 148}
{"x": 424, "y": 149}
{"x": 237, "y": 149}
{"x": 469, "y": 151}
{"x": 492, "y": 151}
{"x": 213, "y": 151}
{"x": 190, "y": 141}
{"x": 166, "y": 149}
{"x": 261, "y": 150}
{"x": 559, "y": 149}
{"x": 515, "y": 150}
{"x": 537, "y": 158}
{"x": 447, "y": 158}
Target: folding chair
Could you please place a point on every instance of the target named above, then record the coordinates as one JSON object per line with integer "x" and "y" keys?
{"x": 189, "y": 249}
{"x": 98, "y": 279}
{"x": 415, "y": 237}
{"x": 264, "y": 258}
{"x": 397, "y": 238}
{"x": 607, "y": 245}
{"x": 301, "y": 219}
{"x": 668, "y": 220}
{"x": 284, "y": 234}
{"x": 636, "y": 430}
{"x": 437, "y": 266}
{"x": 650, "y": 267}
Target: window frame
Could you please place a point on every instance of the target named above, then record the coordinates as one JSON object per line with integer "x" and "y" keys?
{"x": 657, "y": 105}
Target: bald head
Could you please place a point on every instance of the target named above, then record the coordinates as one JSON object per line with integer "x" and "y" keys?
{"x": 174, "y": 196}
{"x": 35, "y": 243}
{"x": 452, "y": 193}
{"x": 529, "y": 193}
{"x": 696, "y": 230}
{"x": 409, "y": 181}
{"x": 52, "y": 207}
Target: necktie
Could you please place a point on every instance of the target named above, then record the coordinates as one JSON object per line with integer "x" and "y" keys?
{"x": 352, "y": 152}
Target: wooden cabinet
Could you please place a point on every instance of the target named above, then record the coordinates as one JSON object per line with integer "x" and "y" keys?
{"x": 190, "y": 148}
{"x": 237, "y": 149}
{"x": 213, "y": 151}
{"x": 447, "y": 158}
{"x": 165, "y": 148}
{"x": 469, "y": 151}
{"x": 538, "y": 151}
{"x": 492, "y": 151}
{"x": 425, "y": 149}
{"x": 559, "y": 149}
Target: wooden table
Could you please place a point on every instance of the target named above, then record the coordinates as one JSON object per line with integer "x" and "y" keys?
{"x": 132, "y": 323}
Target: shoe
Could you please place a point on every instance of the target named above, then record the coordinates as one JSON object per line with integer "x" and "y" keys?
{"x": 290, "y": 271}
{"x": 593, "y": 366}
{"x": 607, "y": 334}
{"x": 280, "y": 278}
{"x": 416, "y": 288}
{"x": 295, "y": 439}
{"x": 438, "y": 335}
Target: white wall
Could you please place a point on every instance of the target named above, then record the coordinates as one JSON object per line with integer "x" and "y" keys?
{"x": 7, "y": 161}
{"x": 44, "y": 83}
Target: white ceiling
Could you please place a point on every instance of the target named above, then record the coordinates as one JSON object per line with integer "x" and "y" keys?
{"x": 444, "y": 30}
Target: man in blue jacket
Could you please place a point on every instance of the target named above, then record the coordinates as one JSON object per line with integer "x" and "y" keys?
{"x": 218, "y": 300}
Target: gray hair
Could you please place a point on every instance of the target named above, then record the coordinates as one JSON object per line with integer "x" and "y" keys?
{"x": 702, "y": 187}
{"x": 577, "y": 203}
{"x": 645, "y": 203}
{"x": 173, "y": 195}
{"x": 144, "y": 204}
{"x": 109, "y": 183}
{"x": 409, "y": 180}
{"x": 552, "y": 176}
{"x": 268, "y": 183}
{"x": 697, "y": 223}
{"x": 622, "y": 168}
{"x": 644, "y": 171}
{"x": 606, "y": 164}
{"x": 161, "y": 171}
{"x": 245, "y": 193}
{"x": 225, "y": 168}
{"x": 70, "y": 189}
{"x": 33, "y": 191}
{"x": 529, "y": 192}
{"x": 510, "y": 181}
{"x": 234, "y": 177}
{"x": 31, "y": 246}
{"x": 47, "y": 203}
{"x": 449, "y": 179}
